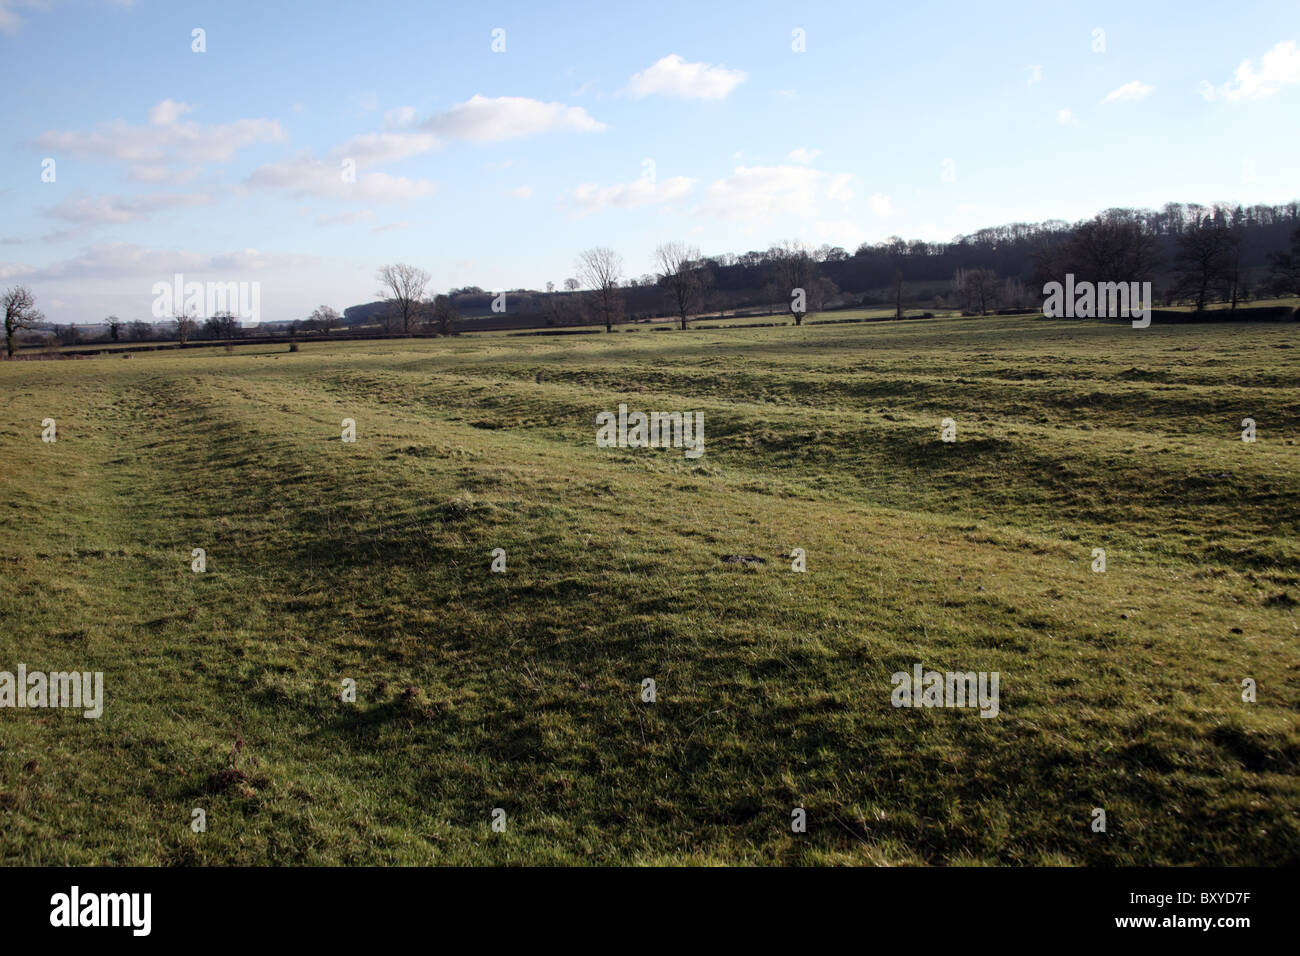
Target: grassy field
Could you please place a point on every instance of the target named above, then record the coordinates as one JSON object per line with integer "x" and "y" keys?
{"x": 522, "y": 691}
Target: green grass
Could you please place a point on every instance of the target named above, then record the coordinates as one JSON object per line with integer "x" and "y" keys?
{"x": 521, "y": 690}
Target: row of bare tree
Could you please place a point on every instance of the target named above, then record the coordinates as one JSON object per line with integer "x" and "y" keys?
{"x": 686, "y": 277}
{"x": 1206, "y": 265}
{"x": 1206, "y": 261}
{"x": 681, "y": 272}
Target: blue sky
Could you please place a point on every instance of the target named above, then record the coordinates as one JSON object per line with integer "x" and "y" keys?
{"x": 600, "y": 124}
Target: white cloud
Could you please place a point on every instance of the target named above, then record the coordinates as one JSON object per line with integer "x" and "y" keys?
{"x": 166, "y": 142}
{"x": 1278, "y": 67}
{"x": 882, "y": 205}
{"x": 522, "y": 192}
{"x": 304, "y": 175}
{"x": 484, "y": 120}
{"x": 123, "y": 209}
{"x": 802, "y": 155}
{"x": 1035, "y": 74}
{"x": 757, "y": 192}
{"x": 589, "y": 197}
{"x": 839, "y": 233}
{"x": 673, "y": 76}
{"x": 13, "y": 270}
{"x": 10, "y": 20}
{"x": 1066, "y": 118}
{"x": 402, "y": 116}
{"x": 371, "y": 149}
{"x": 929, "y": 232}
{"x": 345, "y": 218}
{"x": 254, "y": 260}
{"x": 155, "y": 174}
{"x": 168, "y": 112}
{"x": 118, "y": 259}
{"x": 1133, "y": 90}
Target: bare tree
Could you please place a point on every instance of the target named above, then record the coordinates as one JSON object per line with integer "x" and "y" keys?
{"x": 114, "y": 327}
{"x": 719, "y": 299}
{"x": 977, "y": 289}
{"x": 186, "y": 323}
{"x": 1016, "y": 295}
{"x": 1234, "y": 287}
{"x": 403, "y": 288}
{"x": 898, "y": 293}
{"x": 793, "y": 271}
{"x": 683, "y": 275}
{"x": 572, "y": 285}
{"x": 600, "y": 268}
{"x": 823, "y": 291}
{"x": 20, "y": 314}
{"x": 445, "y": 314}
{"x": 223, "y": 325}
{"x": 563, "y": 308}
{"x": 1111, "y": 248}
{"x": 1204, "y": 258}
{"x": 1284, "y": 274}
{"x": 551, "y": 306}
{"x": 323, "y": 319}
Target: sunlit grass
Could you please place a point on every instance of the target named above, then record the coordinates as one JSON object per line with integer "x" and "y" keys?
{"x": 521, "y": 690}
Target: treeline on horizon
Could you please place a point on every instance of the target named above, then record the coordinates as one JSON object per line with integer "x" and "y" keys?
{"x": 1253, "y": 252}
{"x": 1192, "y": 254}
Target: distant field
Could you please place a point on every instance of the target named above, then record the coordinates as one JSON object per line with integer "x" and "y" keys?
{"x": 468, "y": 325}
{"x": 1119, "y": 690}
